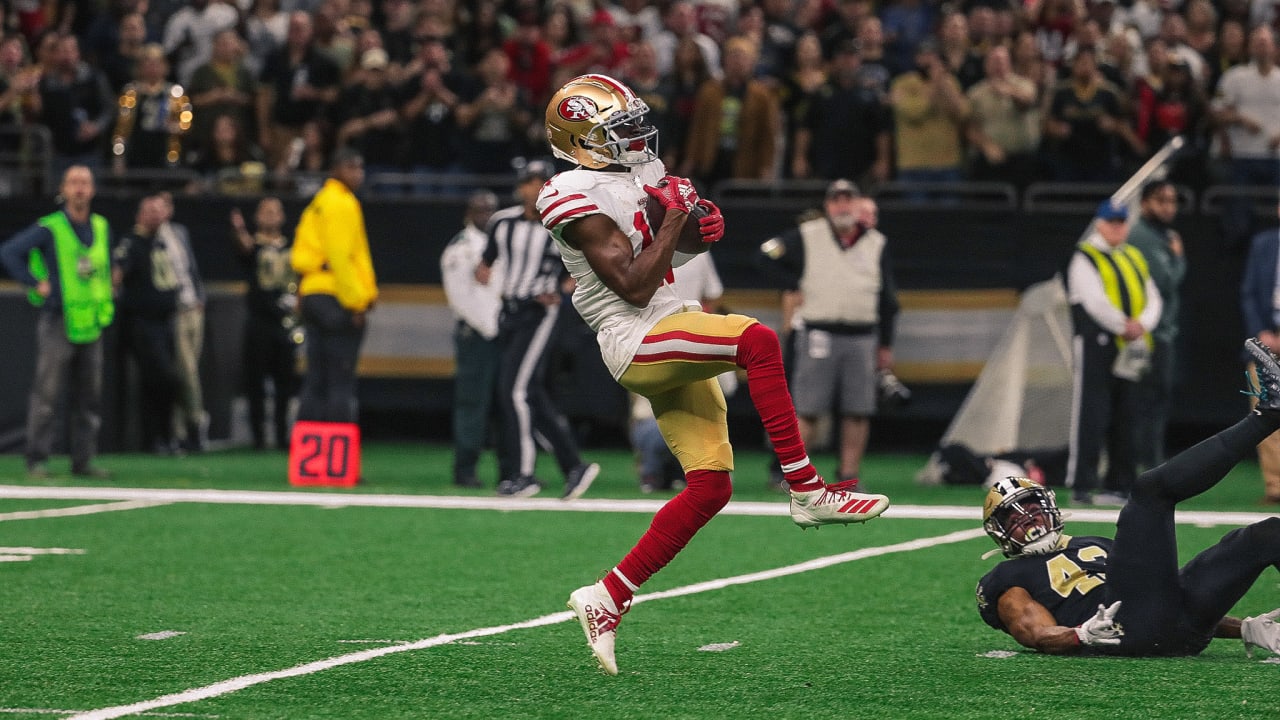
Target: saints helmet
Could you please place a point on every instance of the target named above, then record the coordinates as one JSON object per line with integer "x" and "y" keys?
{"x": 596, "y": 121}
{"x": 1021, "y": 504}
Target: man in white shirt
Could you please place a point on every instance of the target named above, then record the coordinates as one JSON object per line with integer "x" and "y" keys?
{"x": 189, "y": 33}
{"x": 1247, "y": 107}
{"x": 476, "y": 307}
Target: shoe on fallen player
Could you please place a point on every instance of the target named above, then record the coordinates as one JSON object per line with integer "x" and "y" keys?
{"x": 599, "y": 616}
{"x": 829, "y": 505}
{"x": 1267, "y": 368}
{"x": 1262, "y": 631}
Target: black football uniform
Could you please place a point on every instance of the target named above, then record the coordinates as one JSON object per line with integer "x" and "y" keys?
{"x": 1070, "y": 583}
{"x": 1166, "y": 610}
{"x": 270, "y": 350}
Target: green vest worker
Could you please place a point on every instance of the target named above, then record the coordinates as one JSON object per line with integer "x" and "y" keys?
{"x": 64, "y": 261}
{"x": 337, "y": 288}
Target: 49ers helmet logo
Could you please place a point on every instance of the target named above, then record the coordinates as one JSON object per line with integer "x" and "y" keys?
{"x": 577, "y": 108}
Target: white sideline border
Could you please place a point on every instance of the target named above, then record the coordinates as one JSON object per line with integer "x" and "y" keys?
{"x": 162, "y": 496}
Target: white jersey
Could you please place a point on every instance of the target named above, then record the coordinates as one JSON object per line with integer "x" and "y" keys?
{"x": 620, "y": 326}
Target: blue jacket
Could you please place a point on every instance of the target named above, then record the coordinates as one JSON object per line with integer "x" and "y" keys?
{"x": 1258, "y": 287}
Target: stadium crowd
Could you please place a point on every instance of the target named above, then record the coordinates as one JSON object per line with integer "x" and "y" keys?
{"x": 912, "y": 90}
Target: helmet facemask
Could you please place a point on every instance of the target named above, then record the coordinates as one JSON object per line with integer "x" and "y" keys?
{"x": 623, "y": 138}
{"x": 1022, "y": 517}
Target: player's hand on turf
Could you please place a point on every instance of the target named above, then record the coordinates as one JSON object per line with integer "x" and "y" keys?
{"x": 675, "y": 193}
{"x": 1102, "y": 628}
{"x": 711, "y": 225}
{"x": 1262, "y": 631}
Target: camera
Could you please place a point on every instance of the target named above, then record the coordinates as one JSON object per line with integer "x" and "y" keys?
{"x": 891, "y": 394}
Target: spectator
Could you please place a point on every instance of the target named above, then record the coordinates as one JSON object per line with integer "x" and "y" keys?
{"x": 484, "y": 30}
{"x": 148, "y": 301}
{"x": 229, "y": 163}
{"x": 1115, "y": 305}
{"x": 530, "y": 290}
{"x": 337, "y": 290}
{"x": 530, "y": 59}
{"x": 560, "y": 30}
{"x": 1054, "y": 23}
{"x": 873, "y": 73}
{"x": 476, "y": 307}
{"x": 154, "y": 116}
{"x": 265, "y": 29}
{"x": 74, "y": 310}
{"x": 847, "y": 131}
{"x": 960, "y": 59}
{"x": 850, "y": 16}
{"x": 1173, "y": 30}
{"x": 1202, "y": 26}
{"x": 1085, "y": 124}
{"x": 1174, "y": 107}
{"x": 397, "y": 36}
{"x": 77, "y": 107}
{"x": 118, "y": 64}
{"x": 656, "y": 91}
{"x": 1004, "y": 129}
{"x": 430, "y": 116}
{"x": 1161, "y": 246}
{"x": 602, "y": 52}
{"x": 906, "y": 24}
{"x": 687, "y": 76}
{"x": 271, "y": 322}
{"x": 1258, "y": 292}
{"x": 191, "y": 422}
{"x": 929, "y": 112}
{"x": 368, "y": 115}
{"x": 778, "y": 43}
{"x": 333, "y": 37}
{"x": 1231, "y": 50}
{"x": 223, "y": 86}
{"x": 1247, "y": 108}
{"x": 189, "y": 33}
{"x": 639, "y": 19}
{"x": 680, "y": 24}
{"x": 1028, "y": 62}
{"x": 494, "y": 120}
{"x": 19, "y": 80}
{"x": 840, "y": 265}
{"x": 797, "y": 91}
{"x": 734, "y": 128}
{"x": 297, "y": 83}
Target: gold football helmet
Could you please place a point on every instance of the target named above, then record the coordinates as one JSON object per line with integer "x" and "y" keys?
{"x": 596, "y": 121}
{"x": 1022, "y": 517}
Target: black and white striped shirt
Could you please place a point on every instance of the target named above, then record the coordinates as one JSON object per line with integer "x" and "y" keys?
{"x": 533, "y": 265}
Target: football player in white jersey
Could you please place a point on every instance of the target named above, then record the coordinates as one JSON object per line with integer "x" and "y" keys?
{"x": 657, "y": 345}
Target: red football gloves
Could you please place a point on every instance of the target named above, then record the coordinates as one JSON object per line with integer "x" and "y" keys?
{"x": 675, "y": 193}
{"x": 710, "y": 225}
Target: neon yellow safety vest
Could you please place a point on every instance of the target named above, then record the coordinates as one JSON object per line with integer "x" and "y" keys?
{"x": 1124, "y": 276}
{"x": 84, "y": 276}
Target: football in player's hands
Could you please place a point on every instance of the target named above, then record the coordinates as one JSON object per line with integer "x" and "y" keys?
{"x": 690, "y": 242}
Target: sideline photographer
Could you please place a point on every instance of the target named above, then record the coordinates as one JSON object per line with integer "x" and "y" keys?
{"x": 839, "y": 263}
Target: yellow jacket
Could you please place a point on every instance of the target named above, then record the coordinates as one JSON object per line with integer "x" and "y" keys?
{"x": 331, "y": 249}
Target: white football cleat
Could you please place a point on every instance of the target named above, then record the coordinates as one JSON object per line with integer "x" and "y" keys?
{"x": 830, "y": 506}
{"x": 1262, "y": 631}
{"x": 599, "y": 617}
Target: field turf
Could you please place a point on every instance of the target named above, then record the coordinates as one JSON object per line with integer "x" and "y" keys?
{"x": 395, "y": 600}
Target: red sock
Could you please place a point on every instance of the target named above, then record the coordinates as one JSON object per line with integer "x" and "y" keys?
{"x": 761, "y": 356}
{"x": 672, "y": 528}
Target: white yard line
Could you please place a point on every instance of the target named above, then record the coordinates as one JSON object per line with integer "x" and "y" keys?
{"x": 56, "y": 711}
{"x": 160, "y": 496}
{"x": 79, "y": 509}
{"x": 245, "y": 681}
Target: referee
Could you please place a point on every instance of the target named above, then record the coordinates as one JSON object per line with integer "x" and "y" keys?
{"x": 530, "y": 290}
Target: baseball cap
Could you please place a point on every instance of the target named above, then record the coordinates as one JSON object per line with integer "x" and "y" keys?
{"x": 1112, "y": 211}
{"x": 842, "y": 187}
{"x": 535, "y": 168}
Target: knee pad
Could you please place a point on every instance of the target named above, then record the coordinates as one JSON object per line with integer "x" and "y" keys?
{"x": 758, "y": 342}
{"x": 709, "y": 489}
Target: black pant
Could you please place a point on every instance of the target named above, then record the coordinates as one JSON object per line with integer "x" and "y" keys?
{"x": 150, "y": 342}
{"x": 1104, "y": 409}
{"x": 333, "y": 346}
{"x": 269, "y": 353}
{"x": 524, "y": 337}
{"x": 1153, "y": 397}
{"x": 1172, "y": 611}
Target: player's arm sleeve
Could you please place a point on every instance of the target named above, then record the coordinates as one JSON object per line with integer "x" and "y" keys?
{"x": 17, "y": 251}
{"x": 888, "y": 301}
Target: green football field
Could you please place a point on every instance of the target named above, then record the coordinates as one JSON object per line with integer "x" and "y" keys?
{"x": 206, "y": 587}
